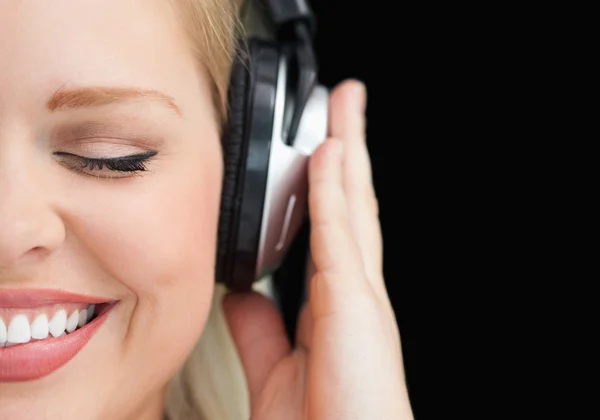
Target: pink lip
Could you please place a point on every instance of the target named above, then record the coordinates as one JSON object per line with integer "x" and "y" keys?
{"x": 25, "y": 299}
{"x": 37, "y": 359}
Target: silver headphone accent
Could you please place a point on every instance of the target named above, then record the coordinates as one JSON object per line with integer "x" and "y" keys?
{"x": 286, "y": 193}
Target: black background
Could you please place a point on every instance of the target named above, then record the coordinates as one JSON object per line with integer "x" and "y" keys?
{"x": 348, "y": 47}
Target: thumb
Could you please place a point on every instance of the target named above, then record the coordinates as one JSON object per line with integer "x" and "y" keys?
{"x": 259, "y": 334}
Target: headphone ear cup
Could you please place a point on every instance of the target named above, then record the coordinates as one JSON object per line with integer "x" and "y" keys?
{"x": 234, "y": 151}
{"x": 247, "y": 142}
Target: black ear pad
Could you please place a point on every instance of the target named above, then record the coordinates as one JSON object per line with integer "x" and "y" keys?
{"x": 247, "y": 151}
{"x": 234, "y": 152}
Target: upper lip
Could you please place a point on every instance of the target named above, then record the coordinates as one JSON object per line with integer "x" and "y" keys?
{"x": 33, "y": 298}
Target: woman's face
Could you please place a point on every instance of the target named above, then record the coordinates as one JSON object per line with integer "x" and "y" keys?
{"x": 101, "y": 80}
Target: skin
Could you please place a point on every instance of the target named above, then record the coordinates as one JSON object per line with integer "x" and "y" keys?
{"x": 149, "y": 240}
{"x": 348, "y": 361}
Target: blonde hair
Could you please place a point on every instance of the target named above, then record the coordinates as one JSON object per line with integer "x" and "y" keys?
{"x": 211, "y": 385}
{"x": 213, "y": 26}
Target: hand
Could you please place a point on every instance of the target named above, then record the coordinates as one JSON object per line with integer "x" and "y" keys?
{"x": 348, "y": 362}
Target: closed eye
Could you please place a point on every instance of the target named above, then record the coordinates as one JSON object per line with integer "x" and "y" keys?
{"x": 127, "y": 165}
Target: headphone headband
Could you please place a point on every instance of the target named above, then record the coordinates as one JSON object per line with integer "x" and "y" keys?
{"x": 285, "y": 14}
{"x": 295, "y": 27}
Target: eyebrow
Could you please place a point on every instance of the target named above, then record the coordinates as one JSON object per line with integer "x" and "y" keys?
{"x": 85, "y": 97}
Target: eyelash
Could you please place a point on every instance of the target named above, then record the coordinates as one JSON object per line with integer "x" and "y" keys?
{"x": 126, "y": 164}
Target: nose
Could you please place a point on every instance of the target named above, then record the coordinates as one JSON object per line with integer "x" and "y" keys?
{"x": 29, "y": 226}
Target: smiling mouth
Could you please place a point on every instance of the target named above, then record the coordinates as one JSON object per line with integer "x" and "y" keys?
{"x": 20, "y": 327}
{"x": 40, "y": 331}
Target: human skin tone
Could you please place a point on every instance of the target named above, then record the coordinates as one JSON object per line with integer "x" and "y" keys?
{"x": 348, "y": 361}
{"x": 107, "y": 79}
{"x": 144, "y": 240}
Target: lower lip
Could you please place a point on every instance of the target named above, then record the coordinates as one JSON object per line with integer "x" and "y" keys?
{"x": 34, "y": 360}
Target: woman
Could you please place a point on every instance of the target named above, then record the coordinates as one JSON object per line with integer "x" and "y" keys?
{"x": 110, "y": 176}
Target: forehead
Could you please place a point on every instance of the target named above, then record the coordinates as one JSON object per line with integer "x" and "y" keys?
{"x": 46, "y": 44}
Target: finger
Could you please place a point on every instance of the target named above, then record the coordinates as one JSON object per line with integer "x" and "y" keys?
{"x": 348, "y": 123}
{"x": 335, "y": 254}
{"x": 347, "y": 112}
{"x": 304, "y": 331}
{"x": 259, "y": 334}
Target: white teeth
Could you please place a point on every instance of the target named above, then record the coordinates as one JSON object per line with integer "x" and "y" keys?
{"x": 58, "y": 324}
{"x": 39, "y": 327}
{"x": 2, "y": 333}
{"x": 19, "y": 330}
{"x": 72, "y": 321}
{"x": 83, "y": 317}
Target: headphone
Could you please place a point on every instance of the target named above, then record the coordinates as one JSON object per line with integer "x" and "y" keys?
{"x": 278, "y": 115}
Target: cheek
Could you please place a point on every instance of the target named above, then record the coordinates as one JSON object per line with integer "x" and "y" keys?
{"x": 155, "y": 236}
